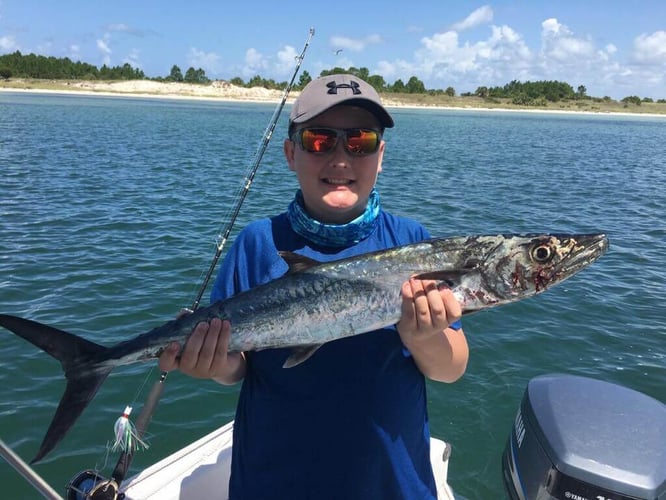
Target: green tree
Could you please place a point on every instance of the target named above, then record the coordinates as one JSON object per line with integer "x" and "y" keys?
{"x": 333, "y": 71}
{"x": 5, "y": 73}
{"x": 377, "y": 82}
{"x": 398, "y": 87}
{"x": 304, "y": 79}
{"x": 189, "y": 75}
{"x": 363, "y": 74}
{"x": 581, "y": 93}
{"x": 255, "y": 81}
{"x": 450, "y": 91}
{"x": 175, "y": 75}
{"x": 195, "y": 76}
{"x": 415, "y": 86}
{"x": 481, "y": 92}
{"x": 258, "y": 81}
{"x": 632, "y": 99}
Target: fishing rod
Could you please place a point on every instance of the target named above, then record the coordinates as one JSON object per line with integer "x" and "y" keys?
{"x": 250, "y": 177}
{"x": 88, "y": 484}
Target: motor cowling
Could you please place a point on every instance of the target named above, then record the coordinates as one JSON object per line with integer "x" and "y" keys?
{"x": 577, "y": 438}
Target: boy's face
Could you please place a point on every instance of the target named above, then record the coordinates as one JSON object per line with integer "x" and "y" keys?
{"x": 336, "y": 185}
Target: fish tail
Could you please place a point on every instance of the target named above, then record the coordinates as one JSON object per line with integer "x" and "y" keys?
{"x": 85, "y": 364}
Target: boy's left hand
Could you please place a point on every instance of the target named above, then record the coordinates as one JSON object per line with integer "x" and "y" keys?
{"x": 426, "y": 310}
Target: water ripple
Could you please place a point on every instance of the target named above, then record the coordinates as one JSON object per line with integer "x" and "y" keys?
{"x": 109, "y": 216}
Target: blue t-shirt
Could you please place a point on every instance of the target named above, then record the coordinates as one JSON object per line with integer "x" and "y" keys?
{"x": 350, "y": 422}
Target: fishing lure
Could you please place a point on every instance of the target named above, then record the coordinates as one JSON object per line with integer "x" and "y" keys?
{"x": 127, "y": 436}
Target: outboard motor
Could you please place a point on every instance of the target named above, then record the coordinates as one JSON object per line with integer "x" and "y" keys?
{"x": 576, "y": 438}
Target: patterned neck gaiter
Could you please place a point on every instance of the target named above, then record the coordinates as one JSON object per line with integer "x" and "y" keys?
{"x": 333, "y": 235}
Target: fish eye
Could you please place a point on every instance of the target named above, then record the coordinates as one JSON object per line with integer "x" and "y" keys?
{"x": 542, "y": 253}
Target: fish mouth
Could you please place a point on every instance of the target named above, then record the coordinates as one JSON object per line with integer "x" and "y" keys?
{"x": 581, "y": 250}
{"x": 558, "y": 257}
{"x": 573, "y": 254}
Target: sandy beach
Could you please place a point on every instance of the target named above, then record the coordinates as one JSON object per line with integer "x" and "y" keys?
{"x": 222, "y": 90}
{"x": 218, "y": 89}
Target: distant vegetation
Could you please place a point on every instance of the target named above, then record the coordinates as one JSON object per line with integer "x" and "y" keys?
{"x": 537, "y": 94}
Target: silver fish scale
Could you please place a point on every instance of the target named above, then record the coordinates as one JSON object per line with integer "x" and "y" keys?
{"x": 323, "y": 309}
{"x": 338, "y": 299}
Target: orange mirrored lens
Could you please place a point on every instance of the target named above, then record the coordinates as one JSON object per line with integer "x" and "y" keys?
{"x": 318, "y": 140}
{"x": 362, "y": 141}
{"x": 357, "y": 141}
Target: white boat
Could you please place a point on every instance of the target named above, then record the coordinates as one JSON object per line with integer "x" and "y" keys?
{"x": 201, "y": 470}
{"x": 578, "y": 448}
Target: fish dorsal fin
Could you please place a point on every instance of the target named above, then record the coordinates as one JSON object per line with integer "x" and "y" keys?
{"x": 297, "y": 263}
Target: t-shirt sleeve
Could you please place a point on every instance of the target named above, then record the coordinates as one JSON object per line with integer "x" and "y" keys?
{"x": 252, "y": 260}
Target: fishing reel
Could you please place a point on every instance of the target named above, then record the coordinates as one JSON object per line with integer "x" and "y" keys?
{"x": 89, "y": 485}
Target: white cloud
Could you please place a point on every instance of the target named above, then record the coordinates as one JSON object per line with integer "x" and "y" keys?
{"x": 575, "y": 59}
{"x": 210, "y": 62}
{"x": 551, "y": 26}
{"x": 560, "y": 44}
{"x": 650, "y": 49}
{"x": 253, "y": 57}
{"x": 8, "y": 43}
{"x": 453, "y": 58}
{"x": 255, "y": 63}
{"x": 118, "y": 27}
{"x": 440, "y": 48}
{"x": 280, "y": 65}
{"x": 74, "y": 52}
{"x": 444, "y": 58}
{"x": 482, "y": 15}
{"x": 126, "y": 29}
{"x": 133, "y": 59}
{"x": 286, "y": 60}
{"x": 393, "y": 70}
{"x": 354, "y": 44}
{"x": 45, "y": 48}
{"x": 103, "y": 47}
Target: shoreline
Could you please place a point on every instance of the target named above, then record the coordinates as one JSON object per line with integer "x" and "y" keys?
{"x": 225, "y": 92}
{"x": 140, "y": 95}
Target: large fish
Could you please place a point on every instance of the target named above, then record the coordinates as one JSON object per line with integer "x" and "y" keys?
{"x": 315, "y": 303}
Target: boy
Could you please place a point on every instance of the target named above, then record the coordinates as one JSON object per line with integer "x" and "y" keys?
{"x": 351, "y": 421}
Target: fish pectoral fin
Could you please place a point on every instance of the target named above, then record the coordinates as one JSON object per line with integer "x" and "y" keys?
{"x": 297, "y": 262}
{"x": 449, "y": 278}
{"x": 300, "y": 354}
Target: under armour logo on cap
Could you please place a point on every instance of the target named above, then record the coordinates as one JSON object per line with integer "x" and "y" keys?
{"x": 333, "y": 87}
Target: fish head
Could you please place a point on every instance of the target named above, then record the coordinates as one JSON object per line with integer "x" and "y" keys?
{"x": 519, "y": 266}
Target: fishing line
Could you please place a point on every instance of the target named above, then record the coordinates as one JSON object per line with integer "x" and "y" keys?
{"x": 153, "y": 398}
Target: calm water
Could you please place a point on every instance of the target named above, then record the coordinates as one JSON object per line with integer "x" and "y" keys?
{"x": 110, "y": 208}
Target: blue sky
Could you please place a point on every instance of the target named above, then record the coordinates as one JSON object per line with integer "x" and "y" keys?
{"x": 615, "y": 48}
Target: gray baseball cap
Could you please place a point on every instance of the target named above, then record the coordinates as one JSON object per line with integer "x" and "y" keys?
{"x": 327, "y": 91}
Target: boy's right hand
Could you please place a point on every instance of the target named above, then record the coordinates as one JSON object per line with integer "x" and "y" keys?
{"x": 206, "y": 354}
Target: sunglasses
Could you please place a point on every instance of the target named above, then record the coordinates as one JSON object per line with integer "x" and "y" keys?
{"x": 357, "y": 141}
